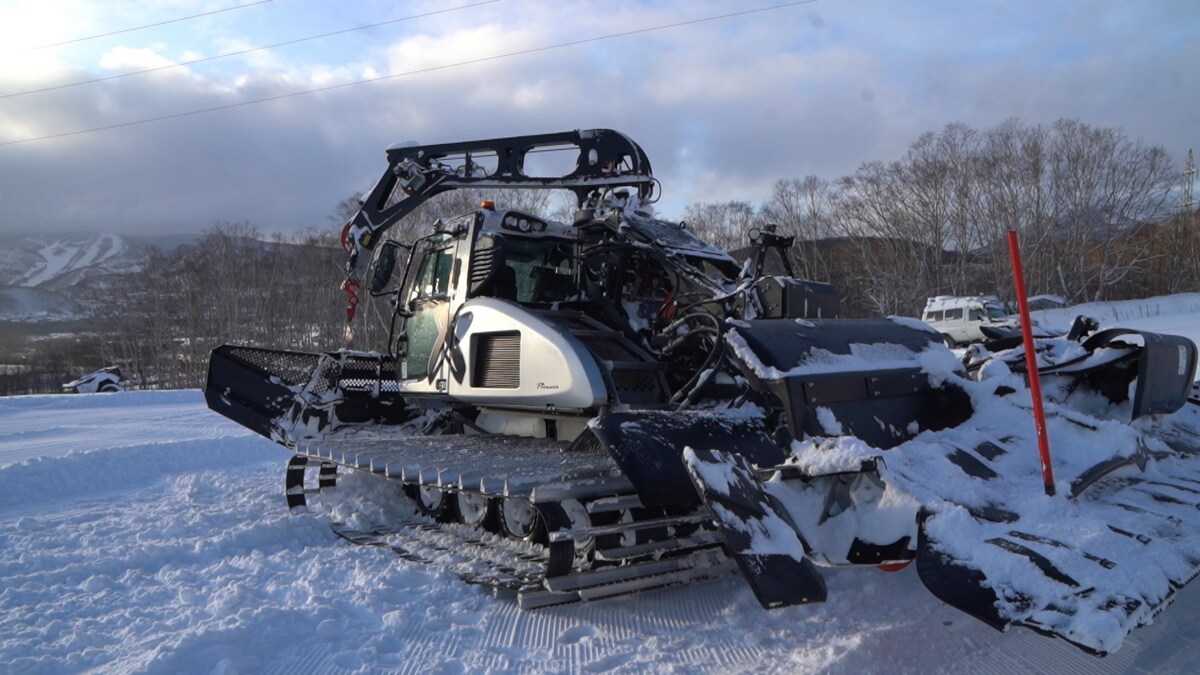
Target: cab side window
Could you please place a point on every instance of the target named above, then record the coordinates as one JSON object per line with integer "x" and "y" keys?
{"x": 975, "y": 315}
{"x": 935, "y": 315}
{"x": 955, "y": 314}
{"x": 433, "y": 277}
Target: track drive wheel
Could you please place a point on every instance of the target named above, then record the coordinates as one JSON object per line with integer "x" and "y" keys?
{"x": 433, "y": 502}
{"x": 519, "y": 519}
{"x": 578, "y": 518}
{"x": 476, "y": 510}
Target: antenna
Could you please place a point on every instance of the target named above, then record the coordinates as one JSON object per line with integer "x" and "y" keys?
{"x": 1187, "y": 200}
{"x": 1184, "y": 274}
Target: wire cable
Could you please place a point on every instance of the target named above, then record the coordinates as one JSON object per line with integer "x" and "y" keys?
{"x": 430, "y": 69}
{"x": 149, "y": 25}
{"x": 242, "y": 51}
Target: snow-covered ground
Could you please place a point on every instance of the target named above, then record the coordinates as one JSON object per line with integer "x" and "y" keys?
{"x": 1175, "y": 314}
{"x": 140, "y": 532}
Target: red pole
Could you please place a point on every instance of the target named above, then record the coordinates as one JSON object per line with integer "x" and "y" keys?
{"x": 1035, "y": 385}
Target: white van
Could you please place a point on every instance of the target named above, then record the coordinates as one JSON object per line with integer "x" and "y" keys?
{"x": 958, "y": 318}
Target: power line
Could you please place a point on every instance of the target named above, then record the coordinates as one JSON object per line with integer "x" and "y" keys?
{"x": 149, "y": 25}
{"x": 495, "y": 57}
{"x": 243, "y": 51}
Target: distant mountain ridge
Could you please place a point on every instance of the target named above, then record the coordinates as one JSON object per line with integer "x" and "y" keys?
{"x": 47, "y": 277}
{"x": 58, "y": 262}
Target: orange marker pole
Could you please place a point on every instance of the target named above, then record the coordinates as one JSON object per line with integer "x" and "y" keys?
{"x": 1035, "y": 385}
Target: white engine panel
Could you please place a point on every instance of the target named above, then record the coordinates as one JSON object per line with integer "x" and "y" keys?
{"x": 555, "y": 370}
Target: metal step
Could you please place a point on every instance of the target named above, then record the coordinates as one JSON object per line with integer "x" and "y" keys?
{"x": 611, "y": 504}
{"x": 632, "y": 526}
{"x": 703, "y": 539}
{"x": 612, "y": 582}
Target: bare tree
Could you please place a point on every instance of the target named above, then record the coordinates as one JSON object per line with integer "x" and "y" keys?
{"x": 1013, "y": 193}
{"x": 345, "y": 209}
{"x": 722, "y": 224}
{"x": 804, "y": 208}
{"x": 894, "y": 267}
{"x": 1106, "y": 188}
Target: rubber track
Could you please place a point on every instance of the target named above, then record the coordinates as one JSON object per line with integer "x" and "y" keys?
{"x": 492, "y": 561}
{"x": 475, "y": 559}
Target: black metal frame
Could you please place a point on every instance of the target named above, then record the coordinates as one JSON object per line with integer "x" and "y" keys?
{"x": 607, "y": 159}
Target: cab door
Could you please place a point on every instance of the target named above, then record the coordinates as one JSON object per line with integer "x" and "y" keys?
{"x": 429, "y": 294}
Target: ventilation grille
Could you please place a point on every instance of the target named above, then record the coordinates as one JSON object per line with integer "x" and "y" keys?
{"x": 633, "y": 385}
{"x": 481, "y": 264}
{"x": 635, "y": 382}
{"x": 609, "y": 349}
{"x": 497, "y": 361}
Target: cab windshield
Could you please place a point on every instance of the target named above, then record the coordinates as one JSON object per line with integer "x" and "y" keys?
{"x": 542, "y": 270}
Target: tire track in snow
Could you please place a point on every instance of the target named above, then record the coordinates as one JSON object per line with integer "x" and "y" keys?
{"x": 600, "y": 636}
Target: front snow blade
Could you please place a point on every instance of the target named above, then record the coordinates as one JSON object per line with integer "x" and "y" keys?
{"x": 1107, "y": 562}
{"x": 288, "y": 396}
{"x": 757, "y": 531}
{"x": 255, "y": 387}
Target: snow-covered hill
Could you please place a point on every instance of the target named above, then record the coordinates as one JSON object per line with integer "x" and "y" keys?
{"x": 62, "y": 261}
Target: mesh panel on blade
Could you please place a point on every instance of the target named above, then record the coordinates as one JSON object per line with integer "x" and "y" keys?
{"x": 292, "y": 367}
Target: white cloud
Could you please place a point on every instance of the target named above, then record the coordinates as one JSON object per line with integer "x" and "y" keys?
{"x": 30, "y": 24}
{"x": 724, "y": 108}
{"x": 424, "y": 52}
{"x": 127, "y": 58}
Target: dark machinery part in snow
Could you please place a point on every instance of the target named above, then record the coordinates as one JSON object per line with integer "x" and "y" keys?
{"x": 593, "y": 408}
{"x": 107, "y": 379}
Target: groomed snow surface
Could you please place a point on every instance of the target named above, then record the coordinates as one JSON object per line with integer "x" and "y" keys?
{"x": 141, "y": 533}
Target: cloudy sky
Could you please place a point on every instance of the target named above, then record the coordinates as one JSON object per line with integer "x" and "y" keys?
{"x": 724, "y": 107}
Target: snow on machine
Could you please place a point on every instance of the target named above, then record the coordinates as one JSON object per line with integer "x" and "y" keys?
{"x": 586, "y": 409}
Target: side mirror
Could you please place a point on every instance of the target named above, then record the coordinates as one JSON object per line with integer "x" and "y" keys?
{"x": 385, "y": 264}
